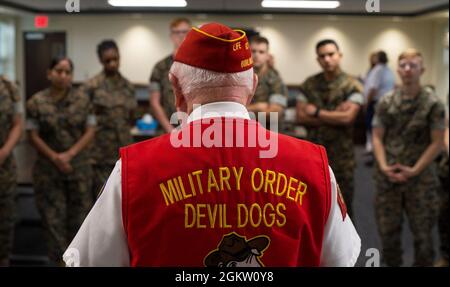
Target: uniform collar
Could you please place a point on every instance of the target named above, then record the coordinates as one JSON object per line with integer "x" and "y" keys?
{"x": 104, "y": 77}
{"x": 261, "y": 70}
{"x": 52, "y": 99}
{"x": 219, "y": 109}
{"x": 339, "y": 74}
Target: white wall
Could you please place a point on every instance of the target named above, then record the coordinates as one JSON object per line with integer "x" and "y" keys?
{"x": 439, "y": 68}
{"x": 144, "y": 39}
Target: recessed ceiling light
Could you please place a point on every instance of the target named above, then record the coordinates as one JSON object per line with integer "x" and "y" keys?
{"x": 300, "y": 4}
{"x": 147, "y": 3}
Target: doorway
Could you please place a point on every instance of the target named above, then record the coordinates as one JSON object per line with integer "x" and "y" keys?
{"x": 40, "y": 48}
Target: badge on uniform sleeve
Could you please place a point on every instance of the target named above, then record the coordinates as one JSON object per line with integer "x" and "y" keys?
{"x": 341, "y": 203}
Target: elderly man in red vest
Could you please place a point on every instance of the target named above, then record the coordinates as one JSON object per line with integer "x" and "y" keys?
{"x": 221, "y": 190}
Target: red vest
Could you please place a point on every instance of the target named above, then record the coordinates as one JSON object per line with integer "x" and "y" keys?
{"x": 225, "y": 206}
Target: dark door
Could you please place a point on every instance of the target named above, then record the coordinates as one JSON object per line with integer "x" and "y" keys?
{"x": 40, "y": 49}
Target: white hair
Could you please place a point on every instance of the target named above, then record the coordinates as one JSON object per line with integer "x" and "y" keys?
{"x": 196, "y": 81}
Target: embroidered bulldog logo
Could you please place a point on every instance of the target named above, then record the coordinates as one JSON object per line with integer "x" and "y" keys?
{"x": 235, "y": 251}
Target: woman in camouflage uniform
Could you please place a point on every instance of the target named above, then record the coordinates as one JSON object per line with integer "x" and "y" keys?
{"x": 60, "y": 126}
{"x": 10, "y": 131}
{"x": 114, "y": 103}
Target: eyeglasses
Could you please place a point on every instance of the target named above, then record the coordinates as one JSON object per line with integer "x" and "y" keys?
{"x": 179, "y": 32}
{"x": 412, "y": 66}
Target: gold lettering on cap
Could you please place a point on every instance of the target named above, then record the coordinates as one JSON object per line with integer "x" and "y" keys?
{"x": 237, "y": 46}
{"x": 246, "y": 62}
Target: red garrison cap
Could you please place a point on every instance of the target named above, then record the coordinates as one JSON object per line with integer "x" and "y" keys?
{"x": 216, "y": 47}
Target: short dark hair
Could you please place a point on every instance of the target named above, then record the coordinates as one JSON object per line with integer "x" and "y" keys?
{"x": 382, "y": 57}
{"x": 55, "y": 61}
{"x": 259, "y": 40}
{"x": 326, "y": 42}
{"x": 106, "y": 45}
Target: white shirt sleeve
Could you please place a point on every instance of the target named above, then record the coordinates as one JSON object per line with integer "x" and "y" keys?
{"x": 101, "y": 240}
{"x": 341, "y": 243}
{"x": 374, "y": 80}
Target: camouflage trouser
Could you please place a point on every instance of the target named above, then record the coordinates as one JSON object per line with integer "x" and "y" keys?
{"x": 419, "y": 200}
{"x": 444, "y": 218}
{"x": 63, "y": 202}
{"x": 7, "y": 208}
{"x": 100, "y": 176}
{"x": 444, "y": 212}
{"x": 344, "y": 178}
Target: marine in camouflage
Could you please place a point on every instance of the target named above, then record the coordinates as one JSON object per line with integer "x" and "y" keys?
{"x": 338, "y": 140}
{"x": 10, "y": 106}
{"x": 63, "y": 200}
{"x": 114, "y": 104}
{"x": 159, "y": 82}
{"x": 407, "y": 125}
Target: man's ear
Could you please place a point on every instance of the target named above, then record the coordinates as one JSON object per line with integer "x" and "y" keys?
{"x": 423, "y": 71}
{"x": 255, "y": 85}
{"x": 180, "y": 100}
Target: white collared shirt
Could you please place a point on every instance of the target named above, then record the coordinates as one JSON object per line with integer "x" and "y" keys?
{"x": 219, "y": 109}
{"x": 101, "y": 240}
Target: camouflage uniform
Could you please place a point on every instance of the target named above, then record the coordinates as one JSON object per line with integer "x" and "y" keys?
{"x": 63, "y": 200}
{"x": 444, "y": 211}
{"x": 115, "y": 104}
{"x": 10, "y": 106}
{"x": 444, "y": 196}
{"x": 270, "y": 89}
{"x": 407, "y": 124}
{"x": 159, "y": 81}
{"x": 338, "y": 140}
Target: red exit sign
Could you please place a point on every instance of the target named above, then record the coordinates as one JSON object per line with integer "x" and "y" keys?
{"x": 41, "y": 21}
